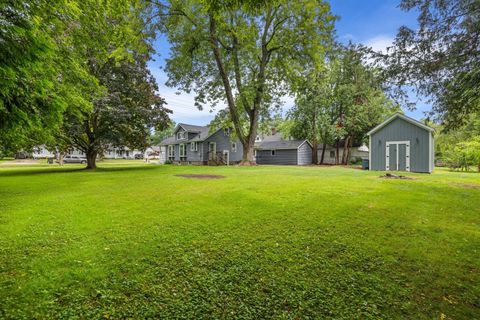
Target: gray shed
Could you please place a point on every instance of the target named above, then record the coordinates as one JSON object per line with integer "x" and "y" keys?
{"x": 401, "y": 143}
{"x": 287, "y": 152}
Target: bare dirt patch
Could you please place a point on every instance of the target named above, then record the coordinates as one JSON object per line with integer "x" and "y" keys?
{"x": 468, "y": 186}
{"x": 394, "y": 176}
{"x": 200, "y": 176}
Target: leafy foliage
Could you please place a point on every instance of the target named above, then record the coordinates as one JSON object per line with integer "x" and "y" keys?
{"x": 40, "y": 75}
{"x": 341, "y": 101}
{"x": 459, "y": 148}
{"x": 440, "y": 59}
{"x": 242, "y": 53}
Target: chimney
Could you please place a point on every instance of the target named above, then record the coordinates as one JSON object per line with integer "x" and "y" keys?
{"x": 274, "y": 131}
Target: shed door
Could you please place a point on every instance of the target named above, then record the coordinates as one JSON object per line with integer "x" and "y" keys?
{"x": 402, "y": 157}
{"x": 392, "y": 157}
{"x": 397, "y": 156}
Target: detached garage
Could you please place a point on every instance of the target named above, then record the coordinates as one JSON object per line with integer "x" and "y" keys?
{"x": 289, "y": 152}
{"x": 401, "y": 143}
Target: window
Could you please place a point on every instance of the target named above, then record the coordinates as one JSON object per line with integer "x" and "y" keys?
{"x": 171, "y": 152}
{"x": 194, "y": 146}
{"x": 226, "y": 132}
{"x": 212, "y": 147}
{"x": 234, "y": 147}
{"x": 257, "y": 138}
{"x": 180, "y": 135}
{"x": 332, "y": 154}
{"x": 273, "y": 152}
{"x": 182, "y": 150}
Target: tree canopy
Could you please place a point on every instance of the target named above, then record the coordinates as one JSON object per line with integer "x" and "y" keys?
{"x": 440, "y": 58}
{"x": 74, "y": 73}
{"x": 242, "y": 53}
{"x": 339, "y": 102}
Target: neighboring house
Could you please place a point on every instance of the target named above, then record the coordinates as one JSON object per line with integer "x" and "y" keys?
{"x": 401, "y": 143}
{"x": 330, "y": 153}
{"x": 110, "y": 153}
{"x": 197, "y": 145}
{"x": 276, "y": 149}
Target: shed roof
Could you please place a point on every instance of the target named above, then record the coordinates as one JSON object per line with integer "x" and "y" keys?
{"x": 403, "y": 117}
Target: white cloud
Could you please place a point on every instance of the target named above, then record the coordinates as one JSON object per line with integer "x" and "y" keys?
{"x": 380, "y": 43}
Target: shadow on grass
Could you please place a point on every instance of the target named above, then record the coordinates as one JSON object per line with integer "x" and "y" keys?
{"x": 49, "y": 170}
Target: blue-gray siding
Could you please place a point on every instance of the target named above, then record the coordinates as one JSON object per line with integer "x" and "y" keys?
{"x": 201, "y": 155}
{"x": 282, "y": 156}
{"x": 305, "y": 154}
{"x": 421, "y": 146}
{"x": 223, "y": 142}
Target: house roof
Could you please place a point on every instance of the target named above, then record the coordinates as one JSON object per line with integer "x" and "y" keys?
{"x": 191, "y": 127}
{"x": 167, "y": 141}
{"x": 282, "y": 144}
{"x": 203, "y": 132}
{"x": 401, "y": 116}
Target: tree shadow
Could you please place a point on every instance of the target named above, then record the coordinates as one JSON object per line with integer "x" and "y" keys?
{"x": 49, "y": 170}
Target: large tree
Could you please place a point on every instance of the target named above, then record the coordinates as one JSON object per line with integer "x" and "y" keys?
{"x": 339, "y": 102}
{"x": 40, "y": 76}
{"x": 124, "y": 115}
{"x": 113, "y": 38}
{"x": 242, "y": 53}
{"x": 315, "y": 113}
{"x": 441, "y": 57}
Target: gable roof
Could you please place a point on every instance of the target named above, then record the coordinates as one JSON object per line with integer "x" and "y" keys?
{"x": 203, "y": 133}
{"x": 403, "y": 117}
{"x": 282, "y": 144}
{"x": 190, "y": 127}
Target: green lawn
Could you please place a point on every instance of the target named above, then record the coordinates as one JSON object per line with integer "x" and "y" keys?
{"x": 264, "y": 242}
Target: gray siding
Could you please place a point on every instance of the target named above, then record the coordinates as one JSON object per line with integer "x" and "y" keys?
{"x": 194, "y": 156}
{"x": 305, "y": 154}
{"x": 223, "y": 143}
{"x": 401, "y": 130}
{"x": 281, "y": 157}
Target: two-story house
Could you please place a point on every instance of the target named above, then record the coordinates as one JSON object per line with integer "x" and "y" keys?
{"x": 198, "y": 145}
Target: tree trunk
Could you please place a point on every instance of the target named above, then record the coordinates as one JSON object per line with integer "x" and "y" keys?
{"x": 345, "y": 150}
{"x": 323, "y": 153}
{"x": 91, "y": 159}
{"x": 248, "y": 155}
{"x": 336, "y": 152}
{"x": 315, "y": 153}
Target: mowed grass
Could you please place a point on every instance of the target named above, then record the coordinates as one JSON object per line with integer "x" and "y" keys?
{"x": 136, "y": 241}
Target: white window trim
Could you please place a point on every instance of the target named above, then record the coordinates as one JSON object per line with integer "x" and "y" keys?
{"x": 181, "y": 135}
{"x": 193, "y": 146}
{"x": 407, "y": 154}
{"x": 182, "y": 147}
{"x": 234, "y": 147}
{"x": 214, "y": 144}
{"x": 171, "y": 151}
{"x": 273, "y": 153}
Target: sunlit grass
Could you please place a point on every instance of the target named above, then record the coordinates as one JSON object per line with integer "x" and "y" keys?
{"x": 264, "y": 242}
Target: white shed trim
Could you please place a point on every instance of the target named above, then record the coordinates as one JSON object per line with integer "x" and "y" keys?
{"x": 430, "y": 152}
{"x": 401, "y": 116}
{"x": 369, "y": 153}
{"x": 407, "y": 154}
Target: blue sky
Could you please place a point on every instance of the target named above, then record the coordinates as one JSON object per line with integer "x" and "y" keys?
{"x": 370, "y": 22}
